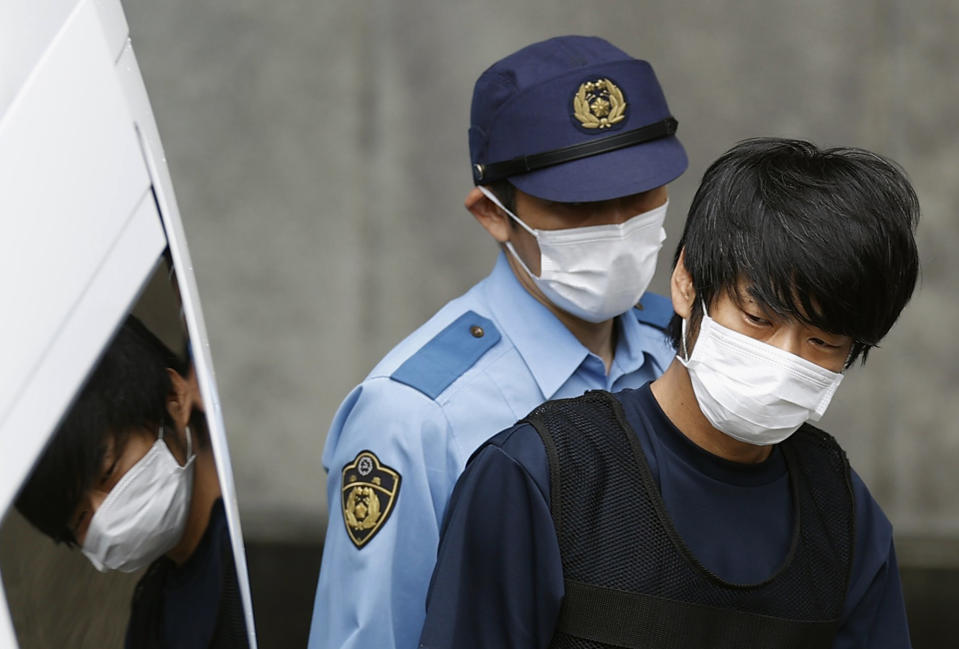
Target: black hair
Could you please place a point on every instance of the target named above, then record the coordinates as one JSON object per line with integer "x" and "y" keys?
{"x": 506, "y": 193}
{"x": 127, "y": 390}
{"x": 822, "y": 236}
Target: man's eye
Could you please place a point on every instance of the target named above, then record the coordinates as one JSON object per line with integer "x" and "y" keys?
{"x": 819, "y": 342}
{"x": 80, "y": 519}
{"x": 108, "y": 472}
{"x": 755, "y": 319}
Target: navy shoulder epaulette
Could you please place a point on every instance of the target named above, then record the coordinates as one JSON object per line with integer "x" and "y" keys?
{"x": 448, "y": 354}
{"x": 654, "y": 310}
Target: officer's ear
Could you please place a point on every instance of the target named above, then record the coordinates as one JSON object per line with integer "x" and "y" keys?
{"x": 681, "y": 287}
{"x": 489, "y": 215}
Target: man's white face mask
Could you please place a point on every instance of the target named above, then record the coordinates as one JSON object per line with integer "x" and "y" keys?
{"x": 753, "y": 391}
{"x": 145, "y": 513}
{"x": 597, "y": 272}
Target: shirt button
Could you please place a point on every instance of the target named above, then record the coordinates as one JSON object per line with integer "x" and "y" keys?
{"x": 477, "y": 331}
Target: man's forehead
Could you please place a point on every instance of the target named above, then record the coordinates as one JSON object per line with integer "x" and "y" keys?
{"x": 746, "y": 292}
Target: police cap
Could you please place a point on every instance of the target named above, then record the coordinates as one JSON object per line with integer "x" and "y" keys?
{"x": 573, "y": 119}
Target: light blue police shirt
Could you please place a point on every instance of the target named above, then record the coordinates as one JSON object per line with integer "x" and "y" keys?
{"x": 476, "y": 367}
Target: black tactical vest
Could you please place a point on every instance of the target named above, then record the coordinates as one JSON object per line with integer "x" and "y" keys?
{"x": 631, "y": 581}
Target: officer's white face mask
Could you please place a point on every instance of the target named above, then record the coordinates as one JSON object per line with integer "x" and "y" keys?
{"x": 145, "y": 513}
{"x": 597, "y": 272}
{"x": 753, "y": 391}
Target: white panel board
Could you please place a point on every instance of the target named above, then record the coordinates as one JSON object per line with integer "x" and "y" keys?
{"x": 78, "y": 233}
{"x": 113, "y": 21}
{"x": 26, "y": 28}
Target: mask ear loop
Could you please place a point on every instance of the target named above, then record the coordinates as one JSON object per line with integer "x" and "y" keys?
{"x": 509, "y": 244}
{"x": 189, "y": 442}
{"x": 682, "y": 339}
{"x": 490, "y": 195}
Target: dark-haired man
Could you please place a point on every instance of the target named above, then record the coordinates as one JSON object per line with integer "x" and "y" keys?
{"x": 703, "y": 510}
{"x": 572, "y": 145}
{"x": 129, "y": 478}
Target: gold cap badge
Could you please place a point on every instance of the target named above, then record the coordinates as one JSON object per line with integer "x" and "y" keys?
{"x": 599, "y": 104}
{"x": 368, "y": 494}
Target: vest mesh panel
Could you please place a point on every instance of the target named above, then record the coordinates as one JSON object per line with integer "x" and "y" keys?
{"x": 614, "y": 531}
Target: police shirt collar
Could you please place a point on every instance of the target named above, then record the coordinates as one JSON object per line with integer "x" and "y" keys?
{"x": 629, "y": 355}
{"x": 551, "y": 352}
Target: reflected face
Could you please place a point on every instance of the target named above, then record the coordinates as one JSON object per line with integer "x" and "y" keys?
{"x": 118, "y": 459}
{"x": 749, "y": 317}
{"x": 541, "y": 214}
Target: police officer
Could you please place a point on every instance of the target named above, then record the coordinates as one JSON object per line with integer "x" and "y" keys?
{"x": 702, "y": 510}
{"x": 572, "y": 146}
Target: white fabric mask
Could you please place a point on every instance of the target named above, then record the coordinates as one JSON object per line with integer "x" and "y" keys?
{"x": 597, "y": 272}
{"x": 753, "y": 391}
{"x": 145, "y": 513}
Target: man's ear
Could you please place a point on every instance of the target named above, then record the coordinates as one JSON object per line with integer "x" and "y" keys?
{"x": 681, "y": 287}
{"x": 184, "y": 396}
{"x": 489, "y": 215}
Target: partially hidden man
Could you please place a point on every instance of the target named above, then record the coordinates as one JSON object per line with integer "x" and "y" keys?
{"x": 572, "y": 146}
{"x": 703, "y": 509}
{"x": 129, "y": 478}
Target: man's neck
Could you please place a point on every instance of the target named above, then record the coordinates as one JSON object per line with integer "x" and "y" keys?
{"x": 673, "y": 392}
{"x": 206, "y": 490}
{"x": 597, "y": 337}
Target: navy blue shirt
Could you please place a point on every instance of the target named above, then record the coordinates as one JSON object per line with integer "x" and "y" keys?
{"x": 195, "y": 605}
{"x": 499, "y": 579}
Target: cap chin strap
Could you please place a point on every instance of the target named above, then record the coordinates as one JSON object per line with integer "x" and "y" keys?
{"x": 484, "y": 174}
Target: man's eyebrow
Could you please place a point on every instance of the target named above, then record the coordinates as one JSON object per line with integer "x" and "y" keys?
{"x": 109, "y": 449}
{"x": 109, "y": 457}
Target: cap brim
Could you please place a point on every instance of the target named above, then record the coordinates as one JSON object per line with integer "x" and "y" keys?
{"x": 601, "y": 177}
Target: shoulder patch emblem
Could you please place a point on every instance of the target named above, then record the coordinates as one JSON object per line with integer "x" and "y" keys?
{"x": 367, "y": 496}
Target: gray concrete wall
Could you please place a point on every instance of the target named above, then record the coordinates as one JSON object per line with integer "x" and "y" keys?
{"x": 56, "y": 597}
{"x": 320, "y": 159}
